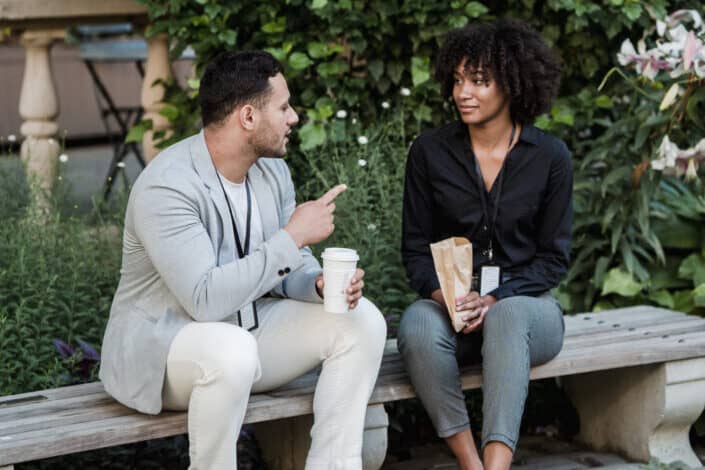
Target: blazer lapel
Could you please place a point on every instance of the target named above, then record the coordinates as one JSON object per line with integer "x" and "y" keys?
{"x": 206, "y": 171}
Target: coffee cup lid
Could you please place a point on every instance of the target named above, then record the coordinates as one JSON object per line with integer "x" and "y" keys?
{"x": 340, "y": 254}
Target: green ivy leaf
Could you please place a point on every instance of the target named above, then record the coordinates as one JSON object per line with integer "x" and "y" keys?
{"x": 693, "y": 267}
{"x": 170, "y": 111}
{"x": 318, "y": 4}
{"x": 329, "y": 69}
{"x": 662, "y": 298}
{"x": 620, "y": 282}
{"x": 632, "y": 11}
{"x": 376, "y": 68}
{"x": 136, "y": 132}
{"x": 563, "y": 115}
{"x": 299, "y": 61}
{"x": 475, "y": 9}
{"x": 699, "y": 296}
{"x": 395, "y": 71}
{"x": 317, "y": 50}
{"x": 420, "y": 70}
{"x": 604, "y": 101}
{"x": 276, "y": 26}
{"x": 312, "y": 135}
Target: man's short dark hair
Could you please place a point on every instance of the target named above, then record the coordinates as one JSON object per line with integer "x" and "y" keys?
{"x": 516, "y": 57}
{"x": 233, "y": 79}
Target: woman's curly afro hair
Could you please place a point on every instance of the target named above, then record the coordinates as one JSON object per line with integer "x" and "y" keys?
{"x": 516, "y": 57}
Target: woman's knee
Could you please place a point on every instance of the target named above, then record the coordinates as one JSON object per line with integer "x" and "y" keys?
{"x": 423, "y": 326}
{"x": 508, "y": 317}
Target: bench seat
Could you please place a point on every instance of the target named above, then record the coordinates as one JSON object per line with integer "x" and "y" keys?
{"x": 614, "y": 365}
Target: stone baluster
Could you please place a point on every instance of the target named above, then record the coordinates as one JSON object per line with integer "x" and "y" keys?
{"x": 158, "y": 67}
{"x": 39, "y": 108}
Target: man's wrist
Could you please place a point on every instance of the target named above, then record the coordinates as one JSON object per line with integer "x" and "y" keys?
{"x": 298, "y": 239}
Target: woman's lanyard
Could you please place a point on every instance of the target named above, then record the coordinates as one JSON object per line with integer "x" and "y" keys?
{"x": 491, "y": 223}
{"x": 242, "y": 252}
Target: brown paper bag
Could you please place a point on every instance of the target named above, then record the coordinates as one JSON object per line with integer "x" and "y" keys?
{"x": 452, "y": 259}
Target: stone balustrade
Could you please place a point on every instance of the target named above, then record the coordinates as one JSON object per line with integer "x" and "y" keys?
{"x": 39, "y": 24}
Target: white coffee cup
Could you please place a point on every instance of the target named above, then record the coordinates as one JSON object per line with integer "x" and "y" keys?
{"x": 338, "y": 268}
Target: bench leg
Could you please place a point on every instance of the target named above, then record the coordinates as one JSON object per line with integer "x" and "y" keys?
{"x": 285, "y": 442}
{"x": 642, "y": 412}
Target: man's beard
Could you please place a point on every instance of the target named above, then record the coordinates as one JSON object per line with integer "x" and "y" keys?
{"x": 266, "y": 146}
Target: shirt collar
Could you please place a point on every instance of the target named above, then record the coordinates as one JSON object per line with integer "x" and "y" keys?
{"x": 529, "y": 132}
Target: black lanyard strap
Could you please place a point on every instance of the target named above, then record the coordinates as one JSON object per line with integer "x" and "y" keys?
{"x": 240, "y": 251}
{"x": 248, "y": 224}
{"x": 490, "y": 223}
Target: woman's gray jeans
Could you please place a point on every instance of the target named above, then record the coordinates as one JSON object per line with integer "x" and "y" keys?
{"x": 518, "y": 333}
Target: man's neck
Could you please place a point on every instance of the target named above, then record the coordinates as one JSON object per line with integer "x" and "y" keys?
{"x": 231, "y": 156}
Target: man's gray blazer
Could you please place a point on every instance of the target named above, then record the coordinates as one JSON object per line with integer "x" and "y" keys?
{"x": 179, "y": 264}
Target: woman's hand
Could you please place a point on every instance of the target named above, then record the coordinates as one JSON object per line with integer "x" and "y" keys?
{"x": 472, "y": 309}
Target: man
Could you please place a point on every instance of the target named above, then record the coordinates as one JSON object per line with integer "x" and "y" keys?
{"x": 219, "y": 294}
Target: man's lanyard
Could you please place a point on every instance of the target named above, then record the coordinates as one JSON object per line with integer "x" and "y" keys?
{"x": 240, "y": 251}
{"x": 481, "y": 184}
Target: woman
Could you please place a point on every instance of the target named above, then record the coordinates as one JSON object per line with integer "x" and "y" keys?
{"x": 497, "y": 180}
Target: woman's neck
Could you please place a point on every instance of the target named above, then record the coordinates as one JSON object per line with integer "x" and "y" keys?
{"x": 492, "y": 135}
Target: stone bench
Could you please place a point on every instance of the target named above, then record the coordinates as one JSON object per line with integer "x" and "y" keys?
{"x": 635, "y": 375}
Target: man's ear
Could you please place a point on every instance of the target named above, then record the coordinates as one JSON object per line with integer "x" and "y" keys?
{"x": 248, "y": 117}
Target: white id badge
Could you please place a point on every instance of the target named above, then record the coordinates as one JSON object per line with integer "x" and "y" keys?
{"x": 489, "y": 279}
{"x": 246, "y": 316}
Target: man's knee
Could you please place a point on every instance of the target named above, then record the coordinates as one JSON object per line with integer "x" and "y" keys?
{"x": 234, "y": 356}
{"x": 371, "y": 319}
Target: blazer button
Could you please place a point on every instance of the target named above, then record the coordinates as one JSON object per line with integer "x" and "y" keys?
{"x": 287, "y": 270}
{"x": 281, "y": 272}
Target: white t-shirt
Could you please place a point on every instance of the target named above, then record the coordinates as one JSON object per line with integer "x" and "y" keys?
{"x": 238, "y": 203}
{"x": 237, "y": 194}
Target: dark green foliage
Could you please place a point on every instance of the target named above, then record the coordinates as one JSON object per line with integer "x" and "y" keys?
{"x": 367, "y": 214}
{"x": 57, "y": 278}
{"x": 352, "y": 54}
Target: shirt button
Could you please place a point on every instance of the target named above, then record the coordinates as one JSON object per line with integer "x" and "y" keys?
{"x": 281, "y": 272}
{"x": 287, "y": 270}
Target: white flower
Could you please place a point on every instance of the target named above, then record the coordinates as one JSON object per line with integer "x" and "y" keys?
{"x": 405, "y": 91}
{"x": 385, "y": 105}
{"x": 692, "y": 172}
{"x": 362, "y": 140}
{"x": 626, "y": 53}
{"x": 12, "y": 138}
{"x": 120, "y": 164}
{"x": 371, "y": 227}
{"x": 354, "y": 120}
{"x": 341, "y": 114}
{"x": 667, "y": 154}
{"x": 362, "y": 162}
{"x": 63, "y": 158}
{"x": 670, "y": 97}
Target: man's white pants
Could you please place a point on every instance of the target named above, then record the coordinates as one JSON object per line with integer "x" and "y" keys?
{"x": 212, "y": 367}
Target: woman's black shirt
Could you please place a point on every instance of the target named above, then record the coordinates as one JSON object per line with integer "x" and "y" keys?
{"x": 442, "y": 199}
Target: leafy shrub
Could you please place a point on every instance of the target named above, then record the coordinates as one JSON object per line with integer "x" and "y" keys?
{"x": 371, "y": 161}
{"x": 635, "y": 221}
{"x": 57, "y": 278}
{"x": 352, "y": 54}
